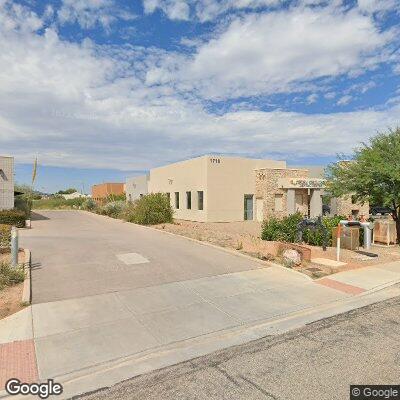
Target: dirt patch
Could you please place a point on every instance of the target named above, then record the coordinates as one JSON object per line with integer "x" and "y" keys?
{"x": 10, "y": 297}
{"x": 10, "y": 300}
{"x": 244, "y": 236}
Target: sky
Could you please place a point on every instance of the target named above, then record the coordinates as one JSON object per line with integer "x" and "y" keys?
{"x": 101, "y": 90}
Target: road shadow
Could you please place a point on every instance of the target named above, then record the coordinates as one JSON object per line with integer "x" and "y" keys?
{"x": 38, "y": 217}
{"x": 36, "y": 265}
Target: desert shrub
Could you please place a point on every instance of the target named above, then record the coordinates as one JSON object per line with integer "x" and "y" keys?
{"x": 113, "y": 209}
{"x": 23, "y": 203}
{"x": 58, "y": 203}
{"x": 89, "y": 205}
{"x": 315, "y": 238}
{"x": 151, "y": 209}
{"x": 5, "y": 236}
{"x": 9, "y": 275}
{"x": 285, "y": 230}
{"x": 115, "y": 197}
{"x": 13, "y": 217}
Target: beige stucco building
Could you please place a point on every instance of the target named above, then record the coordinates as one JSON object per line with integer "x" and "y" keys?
{"x": 137, "y": 187}
{"x": 6, "y": 183}
{"x": 210, "y": 188}
{"x": 224, "y": 189}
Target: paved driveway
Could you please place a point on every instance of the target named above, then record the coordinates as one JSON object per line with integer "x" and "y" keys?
{"x": 77, "y": 254}
{"x": 104, "y": 289}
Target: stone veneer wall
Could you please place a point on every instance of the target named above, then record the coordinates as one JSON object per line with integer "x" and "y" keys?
{"x": 343, "y": 206}
{"x": 267, "y": 188}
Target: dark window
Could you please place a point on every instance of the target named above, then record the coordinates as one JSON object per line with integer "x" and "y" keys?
{"x": 189, "y": 200}
{"x": 200, "y": 200}
{"x": 177, "y": 200}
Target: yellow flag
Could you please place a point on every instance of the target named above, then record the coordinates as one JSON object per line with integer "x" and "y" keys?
{"x": 34, "y": 171}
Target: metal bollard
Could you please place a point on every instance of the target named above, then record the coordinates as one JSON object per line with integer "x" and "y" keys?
{"x": 368, "y": 227}
{"x": 14, "y": 246}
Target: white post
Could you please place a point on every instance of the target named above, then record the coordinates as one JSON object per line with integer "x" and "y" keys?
{"x": 338, "y": 243}
{"x": 14, "y": 246}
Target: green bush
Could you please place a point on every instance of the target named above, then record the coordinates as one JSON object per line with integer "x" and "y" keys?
{"x": 23, "y": 203}
{"x": 5, "y": 236}
{"x": 285, "y": 230}
{"x": 9, "y": 275}
{"x": 114, "y": 209}
{"x": 115, "y": 197}
{"x": 282, "y": 230}
{"x": 13, "y": 217}
{"x": 58, "y": 203}
{"x": 315, "y": 238}
{"x": 151, "y": 209}
{"x": 89, "y": 205}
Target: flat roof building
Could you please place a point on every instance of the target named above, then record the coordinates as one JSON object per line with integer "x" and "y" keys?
{"x": 6, "y": 183}
{"x": 101, "y": 191}
{"x": 207, "y": 188}
{"x": 137, "y": 187}
{"x": 225, "y": 189}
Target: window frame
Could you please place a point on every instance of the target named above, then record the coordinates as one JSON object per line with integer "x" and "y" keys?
{"x": 177, "y": 200}
{"x": 202, "y": 200}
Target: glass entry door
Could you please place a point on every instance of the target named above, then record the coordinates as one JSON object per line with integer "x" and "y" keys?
{"x": 248, "y": 207}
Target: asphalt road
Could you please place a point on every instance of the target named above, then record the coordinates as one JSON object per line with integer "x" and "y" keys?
{"x": 317, "y": 362}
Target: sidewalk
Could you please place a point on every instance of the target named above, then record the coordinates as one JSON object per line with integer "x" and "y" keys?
{"x": 360, "y": 280}
{"x": 89, "y": 342}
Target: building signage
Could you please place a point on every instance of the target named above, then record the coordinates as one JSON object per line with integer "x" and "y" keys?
{"x": 302, "y": 183}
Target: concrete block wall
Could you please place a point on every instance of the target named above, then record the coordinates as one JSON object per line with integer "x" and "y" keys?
{"x": 6, "y": 183}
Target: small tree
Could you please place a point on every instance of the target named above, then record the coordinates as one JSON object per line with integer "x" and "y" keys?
{"x": 372, "y": 175}
{"x": 67, "y": 191}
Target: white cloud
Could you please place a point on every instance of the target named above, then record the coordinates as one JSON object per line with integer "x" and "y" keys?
{"x": 312, "y": 98}
{"x": 344, "y": 100}
{"x": 89, "y": 13}
{"x": 280, "y": 51}
{"x": 85, "y": 105}
{"x": 378, "y": 6}
{"x": 209, "y": 10}
{"x": 174, "y": 9}
{"x": 330, "y": 95}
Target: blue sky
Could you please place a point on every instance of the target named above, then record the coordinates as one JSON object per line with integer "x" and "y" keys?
{"x": 105, "y": 89}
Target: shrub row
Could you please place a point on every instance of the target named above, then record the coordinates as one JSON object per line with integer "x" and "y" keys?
{"x": 285, "y": 230}
{"x": 9, "y": 275}
{"x": 58, "y": 203}
{"x": 13, "y": 217}
{"x": 150, "y": 209}
{"x": 5, "y": 236}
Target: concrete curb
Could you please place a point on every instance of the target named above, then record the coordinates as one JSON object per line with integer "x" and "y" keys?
{"x": 204, "y": 243}
{"x": 27, "y": 290}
